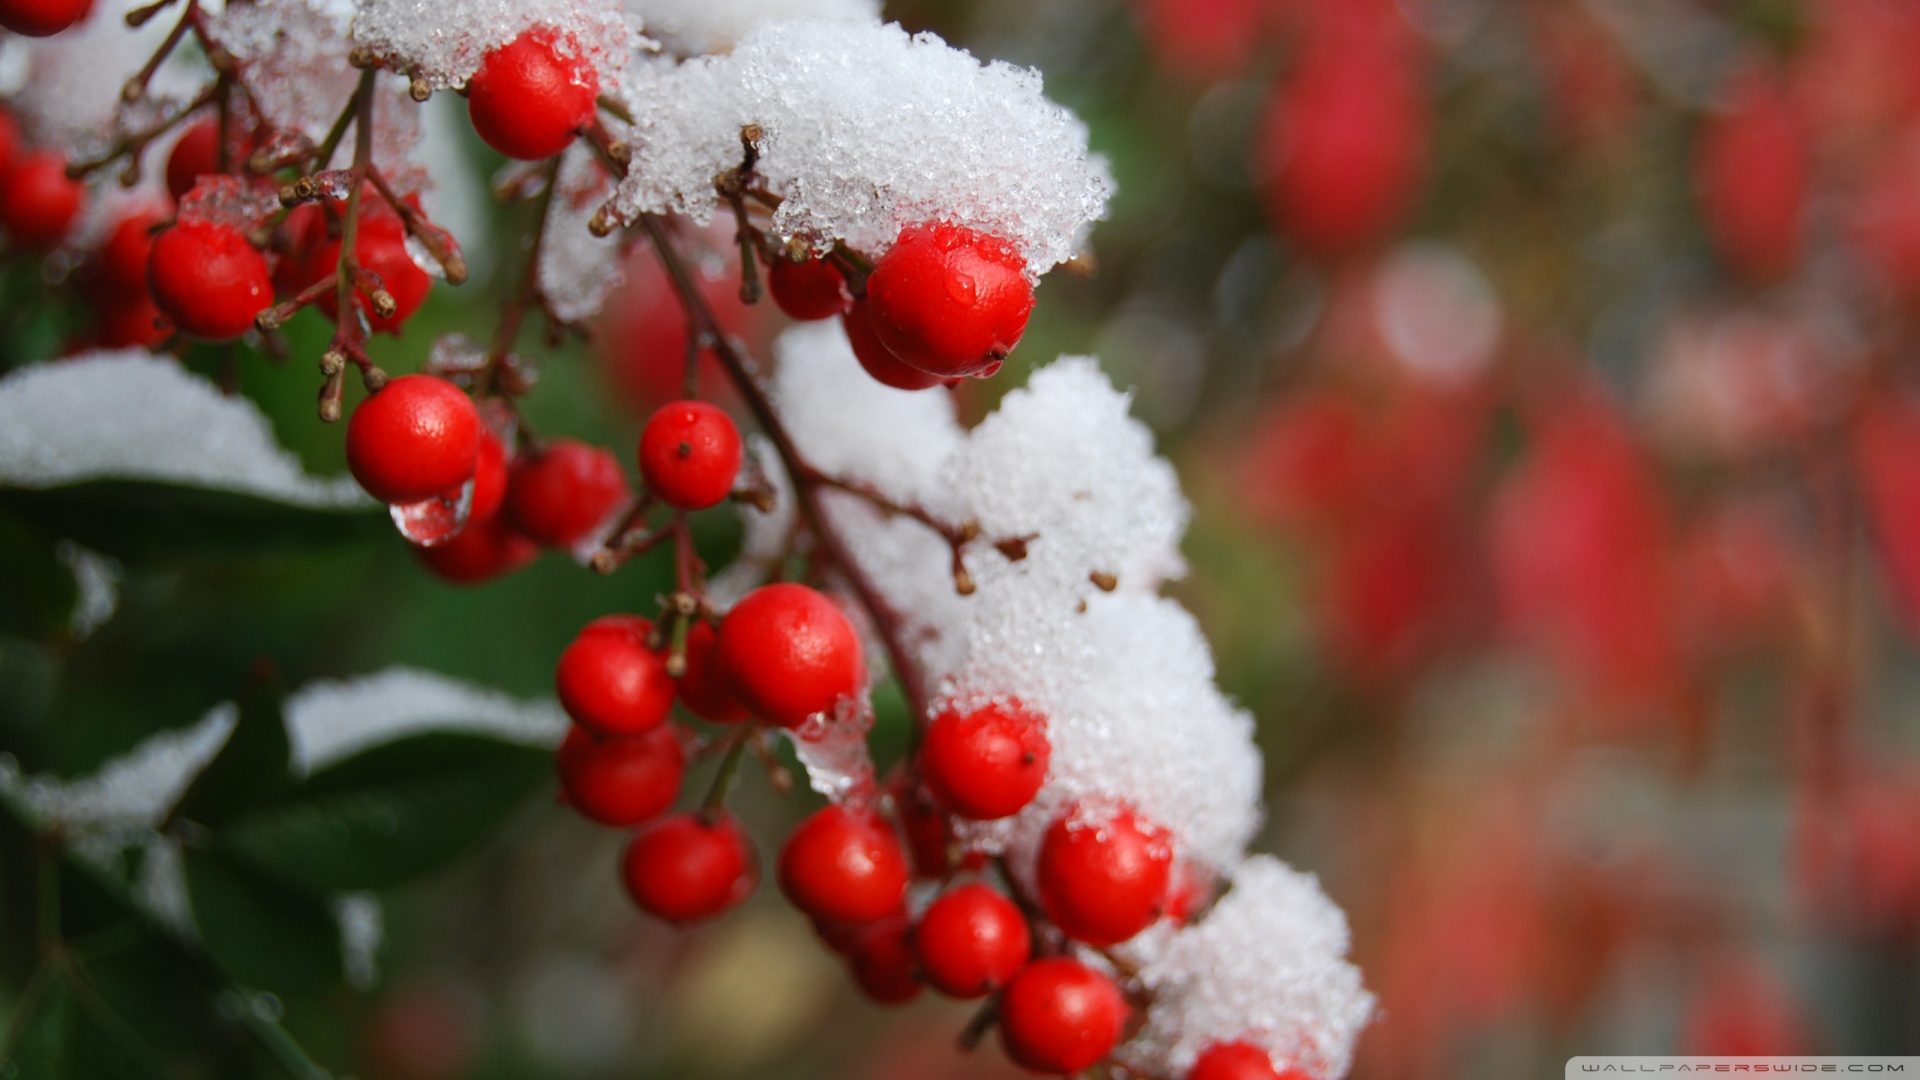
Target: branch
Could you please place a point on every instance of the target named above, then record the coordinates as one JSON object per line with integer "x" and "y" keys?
{"x": 807, "y": 480}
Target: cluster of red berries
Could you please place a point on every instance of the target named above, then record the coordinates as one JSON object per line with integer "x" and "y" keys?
{"x": 420, "y": 439}
{"x": 784, "y": 655}
{"x": 944, "y": 303}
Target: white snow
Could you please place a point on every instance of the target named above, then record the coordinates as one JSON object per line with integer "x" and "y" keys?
{"x": 1267, "y": 965}
{"x": 867, "y": 131}
{"x": 70, "y": 97}
{"x": 333, "y": 719}
{"x": 293, "y": 57}
{"x": 444, "y": 41}
{"x": 692, "y": 27}
{"x": 577, "y": 268}
{"x": 132, "y": 415}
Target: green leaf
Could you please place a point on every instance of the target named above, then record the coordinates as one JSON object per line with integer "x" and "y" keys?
{"x": 39, "y": 1040}
{"x": 261, "y": 931}
{"x": 147, "y": 521}
{"x": 37, "y": 591}
{"x": 389, "y": 814}
{"x": 251, "y": 769}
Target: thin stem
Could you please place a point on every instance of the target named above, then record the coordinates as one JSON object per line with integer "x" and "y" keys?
{"x": 528, "y": 288}
{"x": 716, "y": 799}
{"x": 746, "y": 379}
{"x": 285, "y": 1049}
{"x": 131, "y": 143}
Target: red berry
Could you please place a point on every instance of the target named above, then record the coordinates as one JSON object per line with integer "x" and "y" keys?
{"x": 211, "y": 282}
{"x": 1239, "y": 1061}
{"x": 132, "y": 321}
{"x": 987, "y": 763}
{"x": 844, "y": 864}
{"x": 950, "y": 301}
{"x": 928, "y": 829}
{"x": 703, "y": 689}
{"x": 532, "y": 95}
{"x": 560, "y": 493}
{"x": 878, "y": 360}
{"x": 10, "y": 141}
{"x": 689, "y": 454}
{"x": 789, "y": 653}
{"x": 683, "y": 867}
{"x": 1060, "y": 1016}
{"x": 417, "y": 438}
{"x": 38, "y": 203}
{"x": 195, "y": 155}
{"x": 42, "y": 18}
{"x": 1343, "y": 144}
{"x": 807, "y": 290}
{"x": 480, "y": 552}
{"x": 971, "y": 941}
{"x": 1104, "y": 875}
{"x": 883, "y": 961}
{"x": 621, "y": 779}
{"x": 123, "y": 257}
{"x": 1752, "y": 178}
{"x": 1189, "y": 891}
{"x": 610, "y": 681}
{"x": 381, "y": 247}
{"x": 489, "y": 478}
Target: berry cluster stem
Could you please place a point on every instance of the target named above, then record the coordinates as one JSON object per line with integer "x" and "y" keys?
{"x": 745, "y": 376}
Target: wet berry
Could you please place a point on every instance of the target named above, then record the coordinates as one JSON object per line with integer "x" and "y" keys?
{"x": 417, "y": 438}
{"x": 684, "y": 868}
{"x": 1104, "y": 876}
{"x": 878, "y": 360}
{"x": 38, "y": 204}
{"x": 988, "y": 762}
{"x": 561, "y": 492}
{"x": 621, "y": 779}
{"x": 844, "y": 864}
{"x": 1060, "y": 1016}
{"x": 807, "y": 290}
{"x": 703, "y": 688}
{"x": 211, "y": 281}
{"x": 610, "y": 681}
{"x": 789, "y": 653}
{"x": 971, "y": 941}
{"x": 689, "y": 454}
{"x": 532, "y": 95}
{"x": 950, "y": 301}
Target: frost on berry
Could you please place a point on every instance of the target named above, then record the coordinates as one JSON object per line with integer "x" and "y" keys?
{"x": 442, "y": 42}
{"x": 1267, "y": 966}
{"x": 578, "y": 269}
{"x": 693, "y": 27}
{"x": 228, "y": 201}
{"x": 131, "y": 415}
{"x": 866, "y": 131}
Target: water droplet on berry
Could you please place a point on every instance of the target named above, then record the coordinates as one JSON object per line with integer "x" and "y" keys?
{"x": 436, "y": 520}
